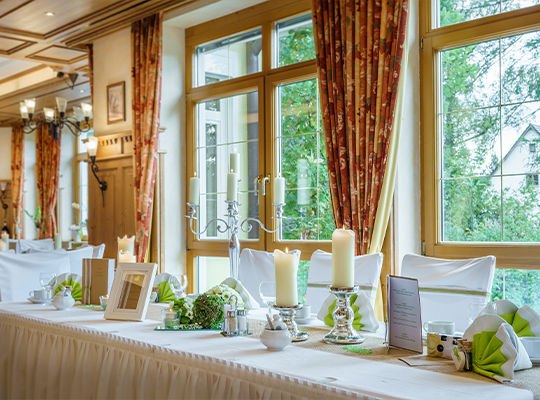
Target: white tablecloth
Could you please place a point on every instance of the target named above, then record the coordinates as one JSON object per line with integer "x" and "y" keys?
{"x": 47, "y": 354}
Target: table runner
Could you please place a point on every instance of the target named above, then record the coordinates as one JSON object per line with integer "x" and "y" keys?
{"x": 527, "y": 379}
{"x": 46, "y": 353}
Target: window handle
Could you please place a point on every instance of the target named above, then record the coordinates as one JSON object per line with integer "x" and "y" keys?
{"x": 261, "y": 180}
{"x": 265, "y": 180}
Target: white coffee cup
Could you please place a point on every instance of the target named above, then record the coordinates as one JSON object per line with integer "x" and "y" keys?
{"x": 304, "y": 313}
{"x": 443, "y": 327}
{"x": 38, "y": 294}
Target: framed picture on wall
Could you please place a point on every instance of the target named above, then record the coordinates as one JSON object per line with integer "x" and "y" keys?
{"x": 116, "y": 103}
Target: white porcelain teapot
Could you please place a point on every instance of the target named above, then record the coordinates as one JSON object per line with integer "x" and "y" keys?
{"x": 63, "y": 300}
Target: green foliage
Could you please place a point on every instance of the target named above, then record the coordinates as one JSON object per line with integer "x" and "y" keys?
{"x": 36, "y": 218}
{"x": 208, "y": 311}
{"x": 484, "y": 86}
{"x": 308, "y": 208}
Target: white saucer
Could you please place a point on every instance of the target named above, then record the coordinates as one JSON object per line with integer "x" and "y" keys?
{"x": 37, "y": 301}
{"x": 535, "y": 361}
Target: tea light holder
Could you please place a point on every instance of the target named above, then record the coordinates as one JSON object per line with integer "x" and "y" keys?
{"x": 287, "y": 314}
{"x": 343, "y": 331}
{"x": 104, "y": 300}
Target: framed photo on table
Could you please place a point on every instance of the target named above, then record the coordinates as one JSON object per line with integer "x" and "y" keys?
{"x": 130, "y": 291}
{"x": 116, "y": 103}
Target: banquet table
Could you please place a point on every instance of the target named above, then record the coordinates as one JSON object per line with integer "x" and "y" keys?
{"x": 46, "y": 353}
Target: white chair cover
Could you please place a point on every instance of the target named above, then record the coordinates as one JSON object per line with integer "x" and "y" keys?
{"x": 256, "y": 267}
{"x": 75, "y": 257}
{"x": 367, "y": 271}
{"x": 447, "y": 287}
{"x": 23, "y": 245}
{"x": 99, "y": 250}
{"x": 19, "y": 273}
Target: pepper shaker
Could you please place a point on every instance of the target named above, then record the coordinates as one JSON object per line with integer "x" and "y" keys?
{"x": 242, "y": 322}
{"x": 232, "y": 323}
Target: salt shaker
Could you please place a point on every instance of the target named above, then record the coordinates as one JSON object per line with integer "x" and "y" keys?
{"x": 242, "y": 322}
{"x": 232, "y": 323}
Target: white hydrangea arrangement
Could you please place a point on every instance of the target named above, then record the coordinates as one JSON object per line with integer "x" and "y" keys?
{"x": 225, "y": 293}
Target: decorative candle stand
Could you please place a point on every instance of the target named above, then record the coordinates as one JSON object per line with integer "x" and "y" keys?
{"x": 234, "y": 225}
{"x": 343, "y": 315}
{"x": 288, "y": 313}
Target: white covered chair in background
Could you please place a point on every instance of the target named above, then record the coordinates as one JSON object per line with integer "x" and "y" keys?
{"x": 256, "y": 267}
{"x": 19, "y": 273}
{"x": 98, "y": 250}
{"x": 367, "y": 271}
{"x": 23, "y": 245}
{"x": 75, "y": 257}
{"x": 447, "y": 287}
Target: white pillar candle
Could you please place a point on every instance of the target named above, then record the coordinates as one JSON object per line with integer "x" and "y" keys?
{"x": 343, "y": 242}
{"x": 5, "y": 238}
{"x": 234, "y": 162}
{"x": 194, "y": 189}
{"x": 232, "y": 186}
{"x": 286, "y": 266}
{"x": 126, "y": 244}
{"x": 58, "y": 241}
{"x": 279, "y": 190}
{"x": 126, "y": 257}
{"x": 3, "y": 246}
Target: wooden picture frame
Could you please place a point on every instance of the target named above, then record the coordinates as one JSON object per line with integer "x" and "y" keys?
{"x": 130, "y": 291}
{"x": 116, "y": 103}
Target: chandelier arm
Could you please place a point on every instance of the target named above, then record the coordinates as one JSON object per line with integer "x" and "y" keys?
{"x": 69, "y": 124}
{"x": 32, "y": 129}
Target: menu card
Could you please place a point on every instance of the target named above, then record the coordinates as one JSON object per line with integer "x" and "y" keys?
{"x": 97, "y": 277}
{"x": 404, "y": 328}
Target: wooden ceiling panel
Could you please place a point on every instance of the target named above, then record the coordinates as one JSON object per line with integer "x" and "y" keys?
{"x": 10, "y": 45}
{"x": 31, "y": 16}
{"x": 9, "y": 6}
{"x": 58, "y": 54}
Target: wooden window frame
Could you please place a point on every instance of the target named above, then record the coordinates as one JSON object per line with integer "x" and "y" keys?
{"x": 433, "y": 40}
{"x": 264, "y": 16}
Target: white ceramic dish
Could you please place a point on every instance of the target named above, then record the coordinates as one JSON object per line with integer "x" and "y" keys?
{"x": 305, "y": 320}
{"x": 276, "y": 340}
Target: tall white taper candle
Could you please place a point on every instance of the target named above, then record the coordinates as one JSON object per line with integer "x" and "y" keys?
{"x": 279, "y": 190}
{"x": 232, "y": 186}
{"x": 194, "y": 189}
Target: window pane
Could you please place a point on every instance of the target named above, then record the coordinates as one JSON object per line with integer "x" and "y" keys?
{"x": 520, "y": 286}
{"x": 456, "y": 11}
{"x": 83, "y": 196}
{"x": 489, "y": 118}
{"x": 295, "y": 40}
{"x": 302, "y": 161}
{"x": 471, "y": 210}
{"x": 229, "y": 58}
{"x": 211, "y": 271}
{"x": 225, "y": 126}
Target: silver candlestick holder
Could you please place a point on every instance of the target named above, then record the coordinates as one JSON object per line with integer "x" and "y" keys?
{"x": 288, "y": 313}
{"x": 343, "y": 331}
{"x": 234, "y": 225}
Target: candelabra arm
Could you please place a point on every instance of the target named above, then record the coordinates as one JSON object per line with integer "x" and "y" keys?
{"x": 250, "y": 227}
{"x": 193, "y": 210}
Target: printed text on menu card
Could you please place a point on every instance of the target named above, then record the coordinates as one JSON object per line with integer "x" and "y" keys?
{"x": 404, "y": 322}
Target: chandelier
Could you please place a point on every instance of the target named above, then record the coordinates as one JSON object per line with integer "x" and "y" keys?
{"x": 77, "y": 124}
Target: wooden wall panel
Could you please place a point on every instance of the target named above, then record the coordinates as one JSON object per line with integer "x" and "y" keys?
{"x": 117, "y": 217}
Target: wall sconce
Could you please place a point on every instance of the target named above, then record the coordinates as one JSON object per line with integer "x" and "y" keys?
{"x": 3, "y": 186}
{"x": 91, "y": 147}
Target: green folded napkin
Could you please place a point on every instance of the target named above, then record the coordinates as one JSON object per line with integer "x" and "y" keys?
{"x": 165, "y": 293}
{"x": 364, "y": 316}
{"x": 496, "y": 350}
{"x": 524, "y": 320}
{"x": 76, "y": 289}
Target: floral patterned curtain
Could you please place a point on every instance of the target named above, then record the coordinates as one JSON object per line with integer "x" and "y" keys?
{"x": 48, "y": 178}
{"x": 359, "y": 45}
{"x": 17, "y": 179}
{"x": 146, "y": 43}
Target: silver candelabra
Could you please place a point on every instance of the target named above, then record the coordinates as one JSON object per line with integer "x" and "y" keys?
{"x": 234, "y": 225}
